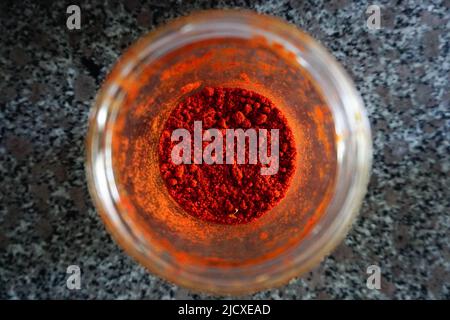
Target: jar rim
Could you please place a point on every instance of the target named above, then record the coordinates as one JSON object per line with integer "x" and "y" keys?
{"x": 324, "y": 69}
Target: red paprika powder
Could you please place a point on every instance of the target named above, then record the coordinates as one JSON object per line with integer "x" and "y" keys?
{"x": 167, "y": 215}
{"x": 232, "y": 193}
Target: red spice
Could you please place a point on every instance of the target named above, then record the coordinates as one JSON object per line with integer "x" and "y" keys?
{"x": 227, "y": 193}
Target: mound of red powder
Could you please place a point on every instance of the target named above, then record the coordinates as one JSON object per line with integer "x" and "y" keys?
{"x": 226, "y": 193}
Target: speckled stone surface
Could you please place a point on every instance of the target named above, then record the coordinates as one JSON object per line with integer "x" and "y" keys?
{"x": 49, "y": 77}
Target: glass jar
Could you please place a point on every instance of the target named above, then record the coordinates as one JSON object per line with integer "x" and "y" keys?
{"x": 288, "y": 240}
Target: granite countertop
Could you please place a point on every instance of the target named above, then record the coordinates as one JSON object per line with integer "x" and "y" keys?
{"x": 50, "y": 75}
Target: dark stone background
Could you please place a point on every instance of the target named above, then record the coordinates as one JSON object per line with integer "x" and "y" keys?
{"x": 49, "y": 77}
